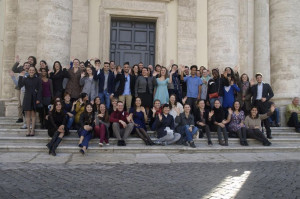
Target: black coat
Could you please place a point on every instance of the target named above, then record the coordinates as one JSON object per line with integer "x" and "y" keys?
{"x": 161, "y": 125}
{"x": 267, "y": 92}
{"x": 216, "y": 85}
{"x": 55, "y": 120}
{"x": 33, "y": 91}
{"x": 198, "y": 118}
{"x": 121, "y": 81}
{"x": 57, "y": 81}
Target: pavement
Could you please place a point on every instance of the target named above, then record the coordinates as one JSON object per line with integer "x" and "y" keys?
{"x": 170, "y": 175}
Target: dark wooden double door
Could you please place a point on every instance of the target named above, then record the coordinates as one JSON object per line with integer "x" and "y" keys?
{"x": 132, "y": 41}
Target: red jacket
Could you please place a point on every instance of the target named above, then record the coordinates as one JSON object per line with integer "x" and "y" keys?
{"x": 117, "y": 115}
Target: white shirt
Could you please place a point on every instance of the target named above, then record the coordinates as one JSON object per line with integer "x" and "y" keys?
{"x": 259, "y": 91}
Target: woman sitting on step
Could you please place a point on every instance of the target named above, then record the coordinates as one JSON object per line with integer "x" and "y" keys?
{"x": 236, "y": 124}
{"x": 57, "y": 123}
{"x": 139, "y": 116}
{"x": 102, "y": 125}
{"x": 186, "y": 125}
{"x": 87, "y": 123}
{"x": 253, "y": 125}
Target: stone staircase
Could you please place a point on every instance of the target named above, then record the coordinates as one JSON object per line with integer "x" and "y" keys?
{"x": 13, "y": 139}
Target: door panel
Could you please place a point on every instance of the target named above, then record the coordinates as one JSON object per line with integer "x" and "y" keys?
{"x": 132, "y": 41}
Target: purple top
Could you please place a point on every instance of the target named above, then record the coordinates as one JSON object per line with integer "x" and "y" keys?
{"x": 236, "y": 120}
{"x": 46, "y": 89}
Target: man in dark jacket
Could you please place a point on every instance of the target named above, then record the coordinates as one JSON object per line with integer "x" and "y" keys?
{"x": 106, "y": 84}
{"x": 262, "y": 93}
{"x": 125, "y": 86}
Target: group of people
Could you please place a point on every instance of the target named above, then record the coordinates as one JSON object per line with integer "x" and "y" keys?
{"x": 176, "y": 101}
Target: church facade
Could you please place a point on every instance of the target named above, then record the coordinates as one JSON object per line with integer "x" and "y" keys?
{"x": 257, "y": 35}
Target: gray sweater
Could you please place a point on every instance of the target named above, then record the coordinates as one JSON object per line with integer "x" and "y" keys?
{"x": 141, "y": 83}
{"x": 90, "y": 86}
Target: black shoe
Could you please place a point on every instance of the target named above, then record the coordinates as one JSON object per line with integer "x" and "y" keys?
{"x": 201, "y": 135}
{"x": 226, "y": 143}
{"x": 277, "y": 125}
{"x": 242, "y": 143}
{"x": 209, "y": 143}
{"x": 81, "y": 151}
{"x": 269, "y": 136}
{"x": 185, "y": 144}
{"x": 221, "y": 143}
{"x": 246, "y": 143}
{"x": 192, "y": 144}
{"x": 123, "y": 143}
{"x": 119, "y": 143}
{"x": 298, "y": 130}
{"x": 20, "y": 120}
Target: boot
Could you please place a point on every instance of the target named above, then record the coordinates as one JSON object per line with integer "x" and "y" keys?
{"x": 50, "y": 144}
{"x": 55, "y": 145}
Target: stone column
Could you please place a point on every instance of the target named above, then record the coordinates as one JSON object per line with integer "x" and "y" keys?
{"x": 262, "y": 39}
{"x": 223, "y": 33}
{"x": 54, "y": 33}
{"x": 285, "y": 49}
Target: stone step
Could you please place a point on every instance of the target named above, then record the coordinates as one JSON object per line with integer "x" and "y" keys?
{"x": 44, "y": 133}
{"x": 131, "y": 140}
{"x": 140, "y": 148}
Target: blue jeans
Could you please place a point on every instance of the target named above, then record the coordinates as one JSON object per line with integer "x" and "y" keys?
{"x": 275, "y": 117}
{"x": 188, "y": 133}
{"x": 87, "y": 137}
{"x": 212, "y": 101}
{"x": 104, "y": 97}
{"x": 70, "y": 122}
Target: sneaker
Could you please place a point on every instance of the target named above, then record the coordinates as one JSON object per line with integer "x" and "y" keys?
{"x": 164, "y": 143}
{"x": 107, "y": 144}
{"x": 192, "y": 144}
{"x": 24, "y": 126}
{"x": 100, "y": 144}
{"x": 20, "y": 120}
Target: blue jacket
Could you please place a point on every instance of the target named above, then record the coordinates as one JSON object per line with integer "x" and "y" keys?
{"x": 110, "y": 81}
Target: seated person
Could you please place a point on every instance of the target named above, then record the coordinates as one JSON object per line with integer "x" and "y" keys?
{"x": 186, "y": 125}
{"x": 274, "y": 119}
{"x": 102, "y": 125}
{"x": 293, "y": 114}
{"x": 253, "y": 125}
{"x": 164, "y": 125}
{"x": 202, "y": 121}
{"x": 121, "y": 125}
{"x": 154, "y": 112}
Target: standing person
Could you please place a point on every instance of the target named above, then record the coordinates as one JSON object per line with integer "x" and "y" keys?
{"x": 139, "y": 116}
{"x": 32, "y": 97}
{"x": 175, "y": 107}
{"x": 144, "y": 88}
{"x": 73, "y": 86}
{"x": 106, "y": 86}
{"x": 218, "y": 123}
{"x": 174, "y": 87}
{"x": 164, "y": 126}
{"x": 202, "y": 120}
{"x": 17, "y": 68}
{"x": 215, "y": 87}
{"x": 161, "y": 91}
{"x": 205, "y": 78}
{"x": 253, "y": 125}
{"x": 43, "y": 65}
{"x": 156, "y": 71}
{"x": 20, "y": 94}
{"x": 112, "y": 66}
{"x": 292, "y": 114}
{"x": 141, "y": 66}
{"x": 186, "y": 72}
{"x": 244, "y": 96}
{"x": 102, "y": 125}
{"x": 90, "y": 86}
{"x": 194, "y": 84}
{"x": 121, "y": 124}
{"x": 229, "y": 92}
{"x": 57, "y": 77}
{"x": 57, "y": 127}
{"x": 134, "y": 76}
{"x": 186, "y": 125}
{"x": 236, "y": 125}
{"x": 126, "y": 86}
{"x": 262, "y": 93}
{"x": 47, "y": 96}
{"x": 87, "y": 125}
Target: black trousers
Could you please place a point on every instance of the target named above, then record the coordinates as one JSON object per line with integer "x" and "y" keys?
{"x": 256, "y": 134}
{"x": 204, "y": 129}
{"x": 192, "y": 102}
{"x": 293, "y": 121}
{"x": 263, "y": 108}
